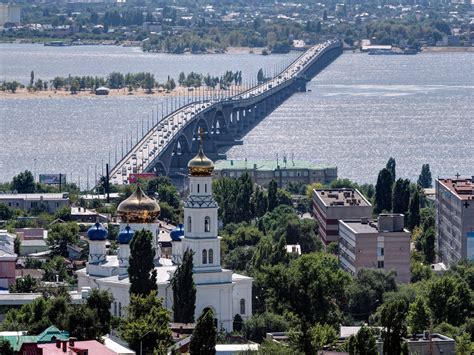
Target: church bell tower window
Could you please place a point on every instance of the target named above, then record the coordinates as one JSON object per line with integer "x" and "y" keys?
{"x": 204, "y": 256}
{"x": 189, "y": 224}
{"x": 211, "y": 256}
{"x": 207, "y": 224}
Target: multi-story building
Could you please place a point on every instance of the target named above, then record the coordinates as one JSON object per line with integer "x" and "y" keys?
{"x": 455, "y": 219}
{"x": 262, "y": 172}
{"x": 10, "y": 13}
{"x": 48, "y": 202}
{"x": 331, "y": 205}
{"x": 7, "y": 259}
{"x": 382, "y": 244}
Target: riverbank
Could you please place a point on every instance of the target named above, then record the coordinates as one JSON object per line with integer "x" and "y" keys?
{"x": 23, "y": 93}
{"x": 446, "y": 49}
{"x": 137, "y": 44}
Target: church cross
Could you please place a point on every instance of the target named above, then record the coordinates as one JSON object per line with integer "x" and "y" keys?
{"x": 466, "y": 204}
{"x": 458, "y": 175}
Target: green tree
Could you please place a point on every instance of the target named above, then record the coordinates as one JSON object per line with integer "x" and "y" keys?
{"x": 184, "y": 290}
{"x": 363, "y": 343}
{"x": 272, "y": 195}
{"x": 256, "y": 328}
{"x": 321, "y": 335}
{"x": 24, "y": 182}
{"x": 25, "y": 284}
{"x": 204, "y": 338}
{"x": 32, "y": 77}
{"x": 391, "y": 166}
{"x": 464, "y": 344}
{"x": 6, "y": 213}
{"x": 367, "y": 291}
{"x": 414, "y": 216}
{"x": 401, "y": 196}
{"x": 60, "y": 235}
{"x": 145, "y": 327}
{"x": 141, "y": 269}
{"x": 260, "y": 75}
{"x": 5, "y": 347}
{"x": 244, "y": 195}
{"x": 260, "y": 202}
{"x": 393, "y": 320}
{"x": 449, "y": 300}
{"x": 100, "y": 302}
{"x": 238, "y": 323}
{"x": 425, "y": 180}
{"x": 284, "y": 198}
{"x": 81, "y": 323}
{"x": 429, "y": 248}
{"x": 383, "y": 191}
{"x": 419, "y": 315}
{"x": 75, "y": 86}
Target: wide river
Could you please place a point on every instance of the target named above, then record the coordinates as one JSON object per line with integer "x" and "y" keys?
{"x": 360, "y": 111}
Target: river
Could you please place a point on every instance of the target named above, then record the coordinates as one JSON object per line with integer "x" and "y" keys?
{"x": 360, "y": 111}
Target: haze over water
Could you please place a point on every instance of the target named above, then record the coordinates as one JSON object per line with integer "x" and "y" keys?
{"x": 361, "y": 110}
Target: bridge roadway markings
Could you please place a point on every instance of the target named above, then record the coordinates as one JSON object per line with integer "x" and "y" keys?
{"x": 148, "y": 149}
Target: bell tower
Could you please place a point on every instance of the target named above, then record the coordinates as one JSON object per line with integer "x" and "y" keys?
{"x": 200, "y": 215}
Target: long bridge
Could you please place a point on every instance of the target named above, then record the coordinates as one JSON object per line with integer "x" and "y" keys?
{"x": 167, "y": 147}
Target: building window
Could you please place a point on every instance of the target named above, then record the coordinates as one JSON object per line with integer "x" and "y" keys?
{"x": 120, "y": 309}
{"x": 211, "y": 256}
{"x": 205, "y": 188}
{"x": 198, "y": 188}
{"x": 207, "y": 224}
{"x": 380, "y": 264}
{"x": 189, "y": 224}
{"x": 204, "y": 256}
{"x": 380, "y": 251}
{"x": 115, "y": 309}
{"x": 242, "y": 306}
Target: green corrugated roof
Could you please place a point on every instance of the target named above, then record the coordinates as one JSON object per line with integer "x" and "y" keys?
{"x": 16, "y": 341}
{"x": 45, "y": 337}
{"x": 269, "y": 165}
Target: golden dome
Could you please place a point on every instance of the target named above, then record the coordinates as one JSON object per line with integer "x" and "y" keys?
{"x": 138, "y": 208}
{"x": 200, "y": 165}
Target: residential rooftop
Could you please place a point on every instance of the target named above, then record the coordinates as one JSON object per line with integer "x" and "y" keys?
{"x": 342, "y": 197}
{"x": 268, "y": 165}
{"x": 463, "y": 188}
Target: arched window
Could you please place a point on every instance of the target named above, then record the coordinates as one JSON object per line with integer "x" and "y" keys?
{"x": 189, "y": 224}
{"x": 207, "y": 224}
{"x": 242, "y": 306}
{"x": 211, "y": 256}
{"x": 204, "y": 256}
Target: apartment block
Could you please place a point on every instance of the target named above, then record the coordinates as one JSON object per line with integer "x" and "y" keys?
{"x": 262, "y": 172}
{"x": 383, "y": 244}
{"x": 455, "y": 219}
{"x": 331, "y": 205}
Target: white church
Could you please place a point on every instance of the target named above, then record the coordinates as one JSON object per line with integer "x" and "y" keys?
{"x": 225, "y": 292}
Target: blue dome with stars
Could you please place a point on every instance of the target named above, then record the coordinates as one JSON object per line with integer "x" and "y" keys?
{"x": 97, "y": 232}
{"x": 126, "y": 235}
{"x": 176, "y": 233}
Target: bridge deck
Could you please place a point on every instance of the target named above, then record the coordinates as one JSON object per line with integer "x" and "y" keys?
{"x": 146, "y": 153}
